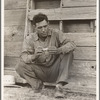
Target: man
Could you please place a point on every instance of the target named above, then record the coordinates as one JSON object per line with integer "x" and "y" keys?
{"x": 46, "y": 56}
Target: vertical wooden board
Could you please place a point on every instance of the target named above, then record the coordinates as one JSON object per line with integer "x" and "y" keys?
{"x": 14, "y": 33}
{"x": 82, "y": 39}
{"x": 78, "y": 3}
{"x": 12, "y": 48}
{"x": 85, "y": 53}
{"x": 47, "y": 4}
{"x": 14, "y": 17}
{"x": 14, "y": 4}
{"x": 75, "y": 26}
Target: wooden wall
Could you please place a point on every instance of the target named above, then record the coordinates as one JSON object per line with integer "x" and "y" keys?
{"x": 14, "y": 24}
{"x": 76, "y": 18}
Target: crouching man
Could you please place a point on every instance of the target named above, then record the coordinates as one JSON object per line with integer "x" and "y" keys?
{"x": 46, "y": 56}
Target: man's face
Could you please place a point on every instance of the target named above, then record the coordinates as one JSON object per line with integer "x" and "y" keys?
{"x": 42, "y": 28}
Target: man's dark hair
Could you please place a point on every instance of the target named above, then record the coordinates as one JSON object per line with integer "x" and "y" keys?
{"x": 39, "y": 17}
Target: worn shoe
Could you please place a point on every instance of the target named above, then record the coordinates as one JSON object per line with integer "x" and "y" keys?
{"x": 59, "y": 91}
{"x": 38, "y": 87}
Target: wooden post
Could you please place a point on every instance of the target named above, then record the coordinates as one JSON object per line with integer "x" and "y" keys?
{"x": 95, "y": 23}
{"x": 32, "y": 6}
{"x": 61, "y": 22}
{"x": 26, "y": 21}
{"x": 92, "y": 26}
{"x": 61, "y": 25}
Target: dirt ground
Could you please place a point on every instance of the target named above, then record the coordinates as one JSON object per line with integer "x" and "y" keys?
{"x": 26, "y": 93}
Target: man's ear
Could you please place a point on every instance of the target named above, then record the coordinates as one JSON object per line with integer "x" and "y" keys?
{"x": 34, "y": 28}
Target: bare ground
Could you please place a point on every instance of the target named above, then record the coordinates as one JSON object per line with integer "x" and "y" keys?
{"x": 26, "y": 93}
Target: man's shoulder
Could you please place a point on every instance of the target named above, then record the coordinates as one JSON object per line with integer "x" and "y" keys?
{"x": 31, "y": 37}
{"x": 55, "y": 31}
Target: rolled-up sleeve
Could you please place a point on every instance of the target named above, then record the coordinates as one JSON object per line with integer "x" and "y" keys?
{"x": 66, "y": 44}
{"x": 27, "y": 51}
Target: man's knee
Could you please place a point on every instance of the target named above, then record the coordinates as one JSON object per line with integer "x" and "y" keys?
{"x": 19, "y": 67}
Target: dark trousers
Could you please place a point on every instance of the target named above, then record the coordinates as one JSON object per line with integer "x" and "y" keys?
{"x": 58, "y": 72}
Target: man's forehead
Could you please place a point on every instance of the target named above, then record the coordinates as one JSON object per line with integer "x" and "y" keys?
{"x": 42, "y": 23}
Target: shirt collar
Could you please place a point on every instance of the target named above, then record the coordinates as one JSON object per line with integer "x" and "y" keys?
{"x": 36, "y": 36}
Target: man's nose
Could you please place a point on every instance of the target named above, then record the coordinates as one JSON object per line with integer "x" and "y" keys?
{"x": 43, "y": 29}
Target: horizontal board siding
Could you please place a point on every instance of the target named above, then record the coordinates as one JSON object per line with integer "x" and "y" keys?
{"x": 82, "y": 39}
{"x": 12, "y": 48}
{"x": 78, "y": 68}
{"x": 10, "y": 62}
{"x": 14, "y": 4}
{"x": 14, "y": 17}
{"x": 78, "y": 13}
{"x": 82, "y": 53}
{"x": 14, "y": 33}
{"x": 78, "y": 3}
{"x": 83, "y": 68}
{"x": 85, "y": 53}
{"x": 66, "y": 13}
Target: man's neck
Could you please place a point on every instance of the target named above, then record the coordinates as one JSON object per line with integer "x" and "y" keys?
{"x": 42, "y": 38}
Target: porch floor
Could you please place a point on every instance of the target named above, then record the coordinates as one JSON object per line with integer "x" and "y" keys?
{"x": 26, "y": 93}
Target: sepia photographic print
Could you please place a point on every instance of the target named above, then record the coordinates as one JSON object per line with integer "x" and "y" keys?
{"x": 50, "y": 50}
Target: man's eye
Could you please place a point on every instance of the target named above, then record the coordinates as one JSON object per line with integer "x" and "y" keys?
{"x": 45, "y": 26}
{"x": 39, "y": 27}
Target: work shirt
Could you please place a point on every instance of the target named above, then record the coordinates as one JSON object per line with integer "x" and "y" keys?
{"x": 54, "y": 38}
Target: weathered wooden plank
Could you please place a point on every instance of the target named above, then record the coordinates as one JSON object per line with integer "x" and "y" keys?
{"x": 78, "y": 68}
{"x": 47, "y": 4}
{"x": 78, "y": 3}
{"x": 85, "y": 53}
{"x": 10, "y": 62}
{"x": 14, "y": 4}
{"x": 14, "y": 17}
{"x": 12, "y": 48}
{"x": 78, "y": 13}
{"x": 66, "y": 13}
{"x": 82, "y": 39}
{"x": 76, "y": 84}
{"x": 14, "y": 33}
{"x": 83, "y": 68}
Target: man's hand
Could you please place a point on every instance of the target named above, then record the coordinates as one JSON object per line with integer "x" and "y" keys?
{"x": 38, "y": 50}
{"x": 52, "y": 50}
